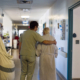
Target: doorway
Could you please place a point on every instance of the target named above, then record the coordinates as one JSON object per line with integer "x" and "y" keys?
{"x": 71, "y": 42}
{"x": 21, "y": 32}
{"x": 44, "y": 25}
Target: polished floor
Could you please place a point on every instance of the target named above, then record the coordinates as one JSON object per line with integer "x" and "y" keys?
{"x": 15, "y": 54}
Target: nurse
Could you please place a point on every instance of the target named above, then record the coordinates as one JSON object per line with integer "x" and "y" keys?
{"x": 47, "y": 55}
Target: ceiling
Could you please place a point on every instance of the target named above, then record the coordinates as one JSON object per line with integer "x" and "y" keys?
{"x": 14, "y": 10}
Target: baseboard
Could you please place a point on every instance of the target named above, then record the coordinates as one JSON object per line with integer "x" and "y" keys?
{"x": 76, "y": 79}
{"x": 60, "y": 75}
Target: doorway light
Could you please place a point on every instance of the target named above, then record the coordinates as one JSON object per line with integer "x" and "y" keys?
{"x": 25, "y": 16}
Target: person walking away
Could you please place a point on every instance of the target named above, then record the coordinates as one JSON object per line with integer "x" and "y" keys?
{"x": 47, "y": 55}
{"x": 27, "y": 50}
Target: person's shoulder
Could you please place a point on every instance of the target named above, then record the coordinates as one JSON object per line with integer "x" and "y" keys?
{"x": 44, "y": 37}
{"x": 36, "y": 33}
{"x": 31, "y": 31}
{"x": 47, "y": 35}
{"x": 53, "y": 37}
{"x": 28, "y": 32}
{"x": 50, "y": 36}
{"x": 25, "y": 32}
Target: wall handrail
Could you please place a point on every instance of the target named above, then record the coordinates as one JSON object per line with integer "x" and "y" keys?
{"x": 64, "y": 54}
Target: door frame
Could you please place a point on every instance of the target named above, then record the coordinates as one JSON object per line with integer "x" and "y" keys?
{"x": 70, "y": 39}
{"x": 44, "y": 25}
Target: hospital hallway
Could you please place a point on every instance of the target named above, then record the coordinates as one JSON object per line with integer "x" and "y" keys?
{"x": 23, "y": 23}
{"x": 18, "y": 66}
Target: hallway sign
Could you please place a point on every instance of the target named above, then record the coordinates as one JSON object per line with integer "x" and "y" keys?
{"x": 62, "y": 29}
{"x": 50, "y": 25}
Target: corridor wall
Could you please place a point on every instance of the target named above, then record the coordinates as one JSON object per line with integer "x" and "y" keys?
{"x": 7, "y": 25}
{"x": 59, "y": 12}
{"x": 44, "y": 19}
{"x": 1, "y": 20}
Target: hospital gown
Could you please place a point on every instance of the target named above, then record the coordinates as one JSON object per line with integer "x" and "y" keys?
{"x": 47, "y": 55}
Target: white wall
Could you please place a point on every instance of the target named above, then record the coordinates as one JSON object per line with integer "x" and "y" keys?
{"x": 76, "y": 47}
{"x": 58, "y": 12}
{"x": 44, "y": 19}
{"x": 7, "y": 25}
{"x": 1, "y": 20}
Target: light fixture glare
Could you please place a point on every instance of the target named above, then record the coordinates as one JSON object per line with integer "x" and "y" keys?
{"x": 25, "y": 16}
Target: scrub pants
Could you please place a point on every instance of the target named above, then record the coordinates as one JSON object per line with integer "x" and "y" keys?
{"x": 27, "y": 67}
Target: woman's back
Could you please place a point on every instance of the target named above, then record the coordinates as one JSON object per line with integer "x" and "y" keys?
{"x": 48, "y": 49}
{"x": 47, "y": 55}
{"x": 47, "y": 60}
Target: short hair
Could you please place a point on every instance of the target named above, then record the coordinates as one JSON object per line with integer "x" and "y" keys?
{"x": 46, "y": 30}
{"x": 33, "y": 24}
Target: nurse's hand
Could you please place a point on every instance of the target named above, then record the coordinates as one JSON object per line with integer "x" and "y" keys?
{"x": 19, "y": 56}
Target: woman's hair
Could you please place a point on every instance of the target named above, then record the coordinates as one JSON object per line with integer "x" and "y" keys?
{"x": 46, "y": 30}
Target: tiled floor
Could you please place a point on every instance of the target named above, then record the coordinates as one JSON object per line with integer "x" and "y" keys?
{"x": 18, "y": 67}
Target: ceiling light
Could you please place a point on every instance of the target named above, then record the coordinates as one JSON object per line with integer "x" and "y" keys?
{"x": 25, "y": 10}
{"x": 25, "y": 16}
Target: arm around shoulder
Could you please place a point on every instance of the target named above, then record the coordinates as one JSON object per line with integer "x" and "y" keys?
{"x": 49, "y": 42}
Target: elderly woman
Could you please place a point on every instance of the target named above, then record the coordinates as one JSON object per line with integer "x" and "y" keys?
{"x": 47, "y": 55}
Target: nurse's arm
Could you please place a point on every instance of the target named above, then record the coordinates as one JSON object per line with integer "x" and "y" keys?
{"x": 19, "y": 46}
{"x": 49, "y": 42}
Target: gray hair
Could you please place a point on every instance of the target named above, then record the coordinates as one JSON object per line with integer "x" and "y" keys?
{"x": 46, "y": 30}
